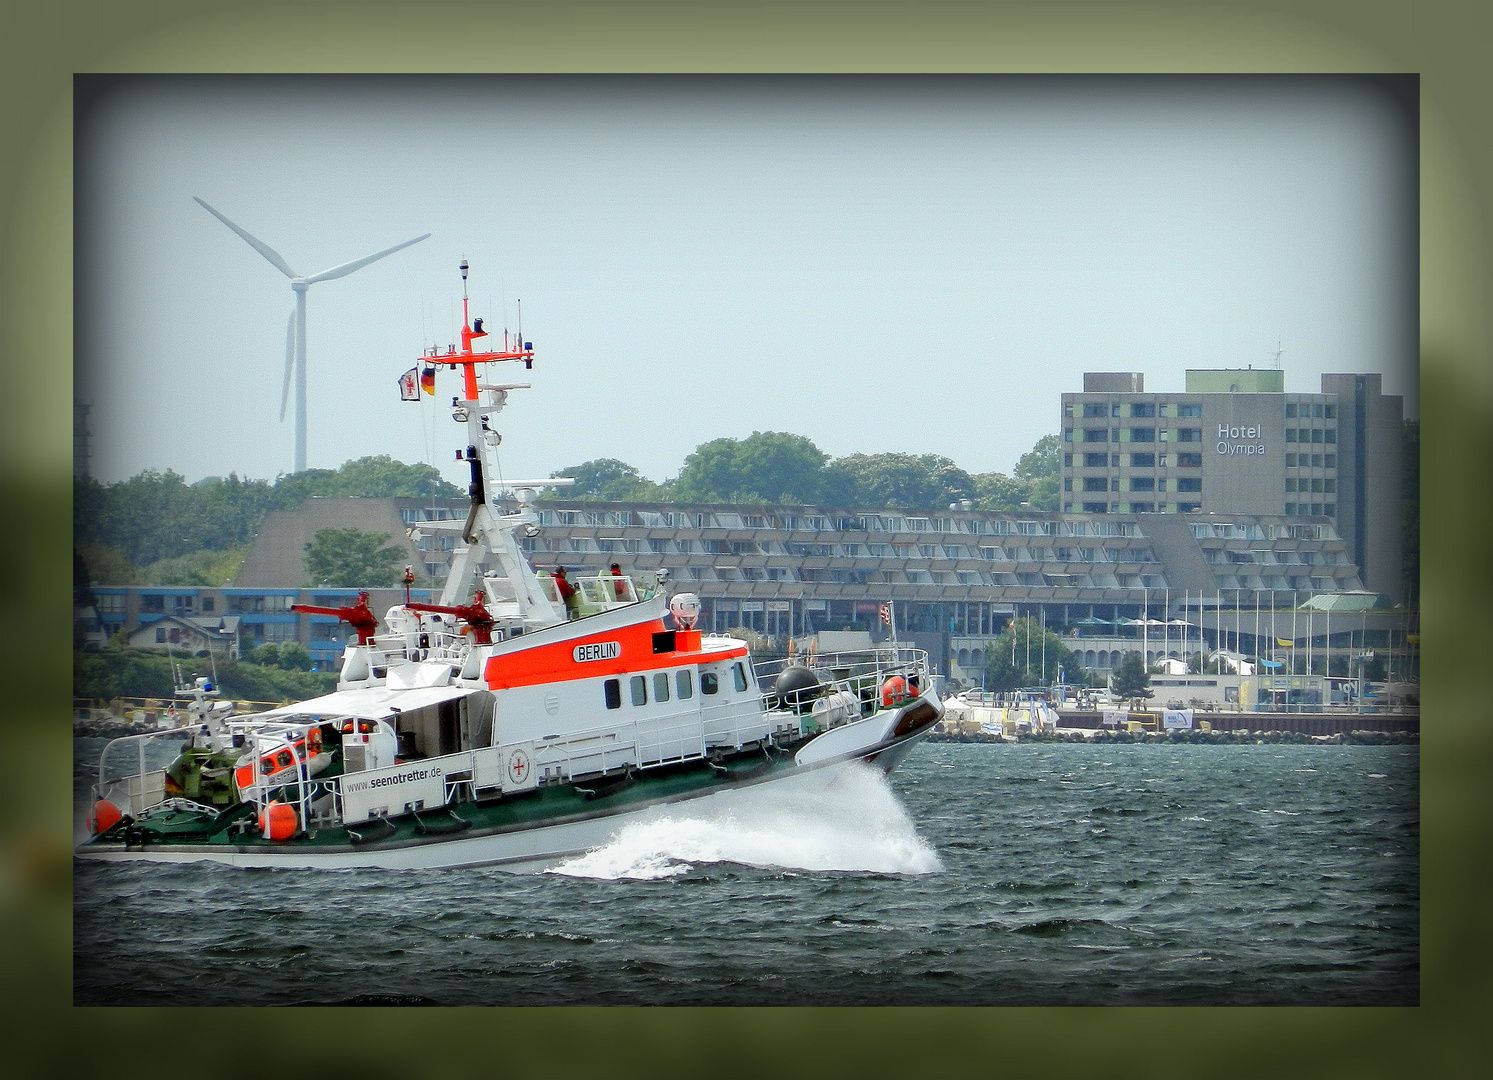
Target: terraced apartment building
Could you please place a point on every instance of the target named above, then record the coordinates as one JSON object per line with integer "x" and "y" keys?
{"x": 954, "y": 578}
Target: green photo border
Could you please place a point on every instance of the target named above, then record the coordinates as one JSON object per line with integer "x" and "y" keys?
{"x": 1442, "y": 40}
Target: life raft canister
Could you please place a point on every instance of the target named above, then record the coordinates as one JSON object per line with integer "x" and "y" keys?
{"x": 893, "y": 691}
{"x": 103, "y": 816}
{"x": 277, "y": 821}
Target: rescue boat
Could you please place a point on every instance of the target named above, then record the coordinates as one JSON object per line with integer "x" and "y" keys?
{"x": 497, "y": 727}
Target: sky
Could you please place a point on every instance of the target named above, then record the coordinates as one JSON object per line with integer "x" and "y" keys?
{"x": 918, "y": 265}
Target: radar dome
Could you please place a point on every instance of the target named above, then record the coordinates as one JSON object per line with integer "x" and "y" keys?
{"x": 685, "y": 607}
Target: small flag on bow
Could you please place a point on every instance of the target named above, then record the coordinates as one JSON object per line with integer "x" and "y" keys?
{"x": 886, "y": 614}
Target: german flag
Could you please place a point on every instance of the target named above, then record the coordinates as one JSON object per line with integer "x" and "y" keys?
{"x": 427, "y": 379}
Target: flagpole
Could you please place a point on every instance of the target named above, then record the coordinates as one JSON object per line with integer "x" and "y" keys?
{"x": 1043, "y": 610}
{"x": 1145, "y": 628}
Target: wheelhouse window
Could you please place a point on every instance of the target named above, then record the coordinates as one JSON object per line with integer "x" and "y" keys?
{"x": 613, "y": 691}
{"x": 738, "y": 674}
{"x": 710, "y": 683}
{"x": 683, "y": 684}
{"x": 661, "y": 686}
{"x": 638, "y": 685}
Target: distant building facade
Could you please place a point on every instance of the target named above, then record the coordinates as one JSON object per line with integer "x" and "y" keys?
{"x": 1233, "y": 442}
{"x": 953, "y": 578}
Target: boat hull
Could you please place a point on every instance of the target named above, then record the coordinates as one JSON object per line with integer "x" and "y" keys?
{"x": 535, "y": 845}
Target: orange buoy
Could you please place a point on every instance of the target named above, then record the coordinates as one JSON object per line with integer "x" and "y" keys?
{"x": 893, "y": 691}
{"x": 103, "y": 817}
{"x": 278, "y": 821}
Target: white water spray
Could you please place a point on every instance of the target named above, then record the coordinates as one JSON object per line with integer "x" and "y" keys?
{"x": 845, "y": 819}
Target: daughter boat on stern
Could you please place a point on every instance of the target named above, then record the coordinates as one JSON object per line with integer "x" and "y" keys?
{"x": 492, "y": 729}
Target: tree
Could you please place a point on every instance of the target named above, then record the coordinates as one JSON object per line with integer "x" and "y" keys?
{"x": 380, "y": 476}
{"x": 1036, "y": 483}
{"x": 293, "y": 657}
{"x": 351, "y": 558}
{"x": 1026, "y": 654}
{"x": 767, "y": 466}
{"x": 997, "y": 491}
{"x": 896, "y": 480}
{"x": 1040, "y": 461}
{"x": 157, "y": 516}
{"x": 605, "y": 479}
{"x": 1131, "y": 682}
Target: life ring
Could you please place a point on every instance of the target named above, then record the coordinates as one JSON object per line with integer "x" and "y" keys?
{"x": 103, "y": 816}
{"x": 277, "y": 821}
{"x": 893, "y": 691}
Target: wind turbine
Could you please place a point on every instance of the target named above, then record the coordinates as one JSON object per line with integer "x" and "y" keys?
{"x": 295, "y": 330}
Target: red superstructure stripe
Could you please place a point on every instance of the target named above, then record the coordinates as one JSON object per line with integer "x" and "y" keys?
{"x": 554, "y": 662}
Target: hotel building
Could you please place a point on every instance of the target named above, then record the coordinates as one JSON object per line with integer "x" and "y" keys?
{"x": 1234, "y": 442}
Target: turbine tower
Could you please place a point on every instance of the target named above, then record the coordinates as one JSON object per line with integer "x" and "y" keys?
{"x": 295, "y": 330}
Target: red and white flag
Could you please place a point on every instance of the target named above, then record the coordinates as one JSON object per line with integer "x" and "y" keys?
{"x": 409, "y": 385}
{"x": 886, "y": 614}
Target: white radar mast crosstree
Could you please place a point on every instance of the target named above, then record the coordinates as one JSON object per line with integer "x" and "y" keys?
{"x": 487, "y": 531}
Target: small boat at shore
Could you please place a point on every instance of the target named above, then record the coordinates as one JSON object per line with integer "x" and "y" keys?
{"x": 524, "y": 719}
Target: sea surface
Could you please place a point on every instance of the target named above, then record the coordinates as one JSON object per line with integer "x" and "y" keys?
{"x": 1018, "y": 874}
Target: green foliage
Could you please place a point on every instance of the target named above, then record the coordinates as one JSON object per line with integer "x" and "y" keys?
{"x": 1044, "y": 493}
{"x": 293, "y": 657}
{"x": 1041, "y": 461}
{"x": 1131, "y": 680}
{"x": 142, "y": 673}
{"x": 997, "y": 491}
{"x": 1007, "y": 668}
{"x": 605, "y": 480}
{"x": 1037, "y": 481}
{"x": 766, "y": 466}
{"x": 114, "y": 673}
{"x": 203, "y": 568}
{"x": 104, "y": 564}
{"x": 266, "y": 655}
{"x": 380, "y": 476}
{"x": 156, "y": 516}
{"x": 349, "y": 558}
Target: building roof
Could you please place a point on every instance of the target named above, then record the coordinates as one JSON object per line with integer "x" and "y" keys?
{"x": 1357, "y": 600}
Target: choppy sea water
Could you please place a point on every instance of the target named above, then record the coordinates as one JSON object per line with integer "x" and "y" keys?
{"x": 974, "y": 875}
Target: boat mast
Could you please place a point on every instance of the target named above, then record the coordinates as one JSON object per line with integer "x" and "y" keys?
{"x": 486, "y": 530}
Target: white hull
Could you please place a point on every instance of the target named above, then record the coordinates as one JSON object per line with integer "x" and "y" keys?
{"x": 521, "y": 850}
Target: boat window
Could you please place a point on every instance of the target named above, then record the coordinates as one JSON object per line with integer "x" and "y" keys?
{"x": 613, "y": 690}
{"x": 639, "y": 687}
{"x": 283, "y": 759}
{"x": 683, "y": 684}
{"x": 739, "y": 674}
{"x": 661, "y": 686}
{"x": 709, "y": 682}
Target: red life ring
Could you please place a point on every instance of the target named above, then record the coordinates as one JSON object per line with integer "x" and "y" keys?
{"x": 278, "y": 821}
{"x": 893, "y": 691}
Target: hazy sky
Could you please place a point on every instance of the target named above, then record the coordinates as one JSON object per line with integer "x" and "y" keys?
{"x": 879, "y": 264}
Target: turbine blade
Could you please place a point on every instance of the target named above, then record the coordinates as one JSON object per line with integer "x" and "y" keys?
{"x": 358, "y": 264}
{"x": 289, "y": 363}
{"x": 254, "y": 242}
